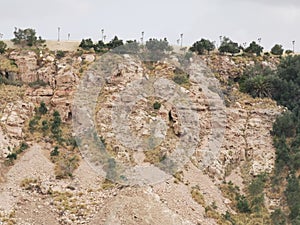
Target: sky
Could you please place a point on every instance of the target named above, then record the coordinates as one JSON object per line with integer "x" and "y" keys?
{"x": 243, "y": 21}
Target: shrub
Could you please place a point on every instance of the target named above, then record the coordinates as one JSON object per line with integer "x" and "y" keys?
{"x": 258, "y": 81}
{"x": 45, "y": 126}
{"x": 278, "y": 217}
{"x": 60, "y": 54}
{"x": 157, "y": 49}
{"x": 32, "y": 124}
{"x": 86, "y": 44}
{"x": 156, "y": 105}
{"x": 12, "y": 156}
{"x": 55, "y": 127}
{"x": 3, "y": 47}
{"x": 243, "y": 204}
{"x": 26, "y": 37}
{"x": 114, "y": 43}
{"x": 203, "y": 45}
{"x": 42, "y": 109}
{"x": 180, "y": 77}
{"x": 228, "y": 46}
{"x": 54, "y": 152}
{"x": 254, "y": 48}
{"x": 277, "y": 50}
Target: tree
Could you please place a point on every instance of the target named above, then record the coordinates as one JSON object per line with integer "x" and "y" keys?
{"x": 157, "y": 49}
{"x": 277, "y": 50}
{"x": 130, "y": 47}
{"x": 2, "y": 47}
{"x": 201, "y": 46}
{"x": 26, "y": 37}
{"x": 254, "y": 48}
{"x": 229, "y": 46}
{"x": 287, "y": 89}
{"x": 154, "y": 44}
{"x": 258, "y": 81}
{"x": 100, "y": 47}
{"x": 114, "y": 43}
{"x": 86, "y": 44}
{"x": 55, "y": 127}
{"x": 42, "y": 109}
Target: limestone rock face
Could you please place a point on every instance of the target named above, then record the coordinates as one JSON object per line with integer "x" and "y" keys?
{"x": 248, "y": 136}
{"x": 12, "y": 121}
{"x": 27, "y": 64}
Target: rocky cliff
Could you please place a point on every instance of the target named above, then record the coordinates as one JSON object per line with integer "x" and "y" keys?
{"x": 30, "y": 193}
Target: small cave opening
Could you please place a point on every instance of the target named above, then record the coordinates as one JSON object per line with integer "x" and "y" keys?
{"x": 69, "y": 115}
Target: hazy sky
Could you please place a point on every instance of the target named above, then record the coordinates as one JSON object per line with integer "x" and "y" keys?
{"x": 274, "y": 21}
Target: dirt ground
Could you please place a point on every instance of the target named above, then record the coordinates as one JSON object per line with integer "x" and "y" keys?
{"x": 55, "y": 45}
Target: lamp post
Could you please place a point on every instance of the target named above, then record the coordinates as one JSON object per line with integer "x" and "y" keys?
{"x": 104, "y": 37}
{"x": 142, "y": 38}
{"x": 58, "y": 34}
{"x": 293, "y": 42}
{"x": 259, "y": 40}
{"x": 181, "y": 38}
{"x": 69, "y": 35}
{"x": 102, "y": 32}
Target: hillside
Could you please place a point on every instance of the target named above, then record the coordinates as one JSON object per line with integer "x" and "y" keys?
{"x": 90, "y": 138}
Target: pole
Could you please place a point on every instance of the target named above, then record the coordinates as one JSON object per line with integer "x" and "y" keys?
{"x": 142, "y": 38}
{"x": 181, "y": 37}
{"x": 102, "y": 31}
{"x": 293, "y": 42}
{"x": 58, "y": 34}
{"x": 259, "y": 40}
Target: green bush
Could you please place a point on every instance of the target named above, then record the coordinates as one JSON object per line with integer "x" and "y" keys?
{"x": 203, "y": 45}
{"x": 60, "y": 54}
{"x": 156, "y": 105}
{"x": 277, "y": 49}
{"x": 42, "y": 109}
{"x": 27, "y": 37}
{"x": 55, "y": 126}
{"x": 54, "y": 152}
{"x": 254, "y": 48}
{"x": 86, "y": 44}
{"x": 12, "y": 156}
{"x": 228, "y": 46}
{"x": 243, "y": 204}
{"x": 45, "y": 126}
{"x": 3, "y": 47}
{"x": 278, "y": 217}
{"x": 32, "y": 125}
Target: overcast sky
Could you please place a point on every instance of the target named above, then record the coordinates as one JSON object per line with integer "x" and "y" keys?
{"x": 274, "y": 21}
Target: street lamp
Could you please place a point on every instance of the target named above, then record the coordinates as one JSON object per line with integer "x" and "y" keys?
{"x": 181, "y": 37}
{"x": 58, "y": 34}
{"x": 293, "y": 42}
{"x": 69, "y": 36}
{"x": 142, "y": 38}
{"x": 259, "y": 40}
{"x": 104, "y": 37}
{"x": 102, "y": 31}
